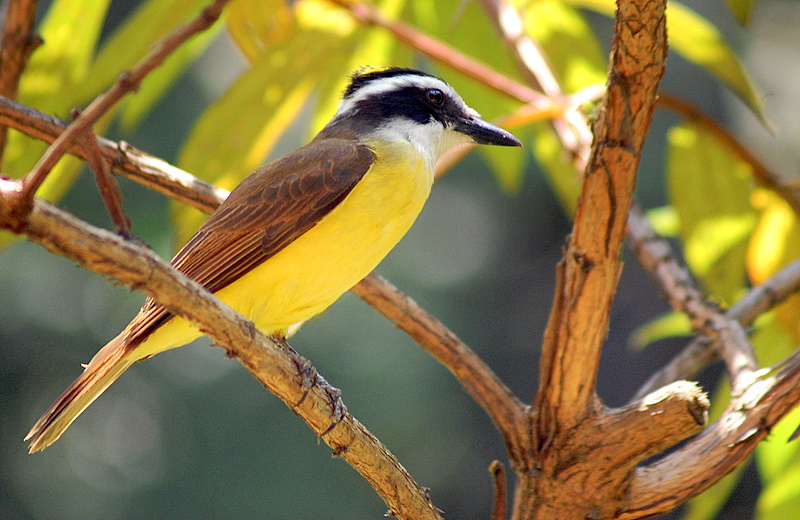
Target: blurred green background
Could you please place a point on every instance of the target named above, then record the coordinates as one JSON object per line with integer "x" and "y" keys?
{"x": 190, "y": 434}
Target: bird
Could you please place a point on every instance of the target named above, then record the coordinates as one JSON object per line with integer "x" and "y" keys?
{"x": 300, "y": 231}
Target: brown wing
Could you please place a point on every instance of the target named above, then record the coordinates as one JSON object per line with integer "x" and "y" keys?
{"x": 267, "y": 211}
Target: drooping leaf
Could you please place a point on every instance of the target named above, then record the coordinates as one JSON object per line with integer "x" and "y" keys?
{"x": 710, "y": 189}
{"x": 701, "y": 43}
{"x": 668, "y": 325}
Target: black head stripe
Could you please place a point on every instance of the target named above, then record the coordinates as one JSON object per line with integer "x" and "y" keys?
{"x": 364, "y": 76}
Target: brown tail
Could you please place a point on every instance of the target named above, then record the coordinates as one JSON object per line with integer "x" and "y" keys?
{"x": 104, "y": 368}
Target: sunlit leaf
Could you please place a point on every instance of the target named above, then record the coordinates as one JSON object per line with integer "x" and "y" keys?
{"x": 741, "y": 9}
{"x": 776, "y": 243}
{"x": 256, "y": 25}
{"x": 710, "y": 189}
{"x": 569, "y": 43}
{"x": 701, "y": 43}
{"x": 665, "y": 220}
{"x": 669, "y": 325}
{"x": 237, "y": 133}
{"x": 371, "y": 47}
{"x": 133, "y": 40}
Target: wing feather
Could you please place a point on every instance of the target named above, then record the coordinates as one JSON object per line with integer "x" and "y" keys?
{"x": 267, "y": 211}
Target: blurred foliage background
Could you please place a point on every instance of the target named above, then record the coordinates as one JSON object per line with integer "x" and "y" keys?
{"x": 189, "y": 434}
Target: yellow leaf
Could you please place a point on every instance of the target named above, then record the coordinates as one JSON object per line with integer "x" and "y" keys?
{"x": 257, "y": 25}
{"x": 697, "y": 40}
{"x": 710, "y": 189}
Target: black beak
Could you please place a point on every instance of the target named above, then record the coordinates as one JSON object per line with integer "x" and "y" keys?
{"x": 485, "y": 133}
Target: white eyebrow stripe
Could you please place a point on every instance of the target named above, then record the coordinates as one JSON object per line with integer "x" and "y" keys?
{"x": 394, "y": 83}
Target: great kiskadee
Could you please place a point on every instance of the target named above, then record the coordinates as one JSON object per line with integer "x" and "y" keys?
{"x": 299, "y": 232}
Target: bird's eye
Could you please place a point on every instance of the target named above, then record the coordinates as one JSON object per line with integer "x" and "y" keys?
{"x": 435, "y": 97}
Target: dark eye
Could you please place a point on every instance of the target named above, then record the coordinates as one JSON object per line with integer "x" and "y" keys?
{"x": 435, "y": 97}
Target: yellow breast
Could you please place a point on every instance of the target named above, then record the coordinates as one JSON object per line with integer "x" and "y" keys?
{"x": 309, "y": 274}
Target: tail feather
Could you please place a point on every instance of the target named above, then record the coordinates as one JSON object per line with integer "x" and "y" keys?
{"x": 104, "y": 368}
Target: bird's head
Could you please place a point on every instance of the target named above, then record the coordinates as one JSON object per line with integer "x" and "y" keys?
{"x": 397, "y": 103}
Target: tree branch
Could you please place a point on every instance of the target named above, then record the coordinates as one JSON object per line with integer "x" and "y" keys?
{"x": 506, "y": 412}
{"x": 669, "y": 482}
{"x": 279, "y": 369}
{"x": 701, "y": 351}
{"x": 17, "y": 44}
{"x": 123, "y": 158}
{"x": 591, "y": 265}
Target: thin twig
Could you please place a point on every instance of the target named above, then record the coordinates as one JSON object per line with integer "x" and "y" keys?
{"x": 109, "y": 189}
{"x": 572, "y": 129}
{"x": 127, "y": 82}
{"x": 657, "y": 256}
{"x": 447, "y": 55}
{"x": 701, "y": 351}
{"x": 17, "y": 44}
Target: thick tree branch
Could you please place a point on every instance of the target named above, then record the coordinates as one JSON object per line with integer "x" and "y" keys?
{"x": 674, "y": 479}
{"x": 17, "y": 44}
{"x": 591, "y": 265}
{"x": 279, "y": 369}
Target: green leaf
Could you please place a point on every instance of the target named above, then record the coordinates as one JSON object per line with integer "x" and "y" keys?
{"x": 257, "y": 25}
{"x": 236, "y": 134}
{"x": 569, "y": 43}
{"x": 557, "y": 166}
{"x": 373, "y": 47}
{"x": 697, "y": 40}
{"x": 133, "y": 40}
{"x": 741, "y": 9}
{"x": 710, "y": 189}
{"x": 669, "y": 325}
